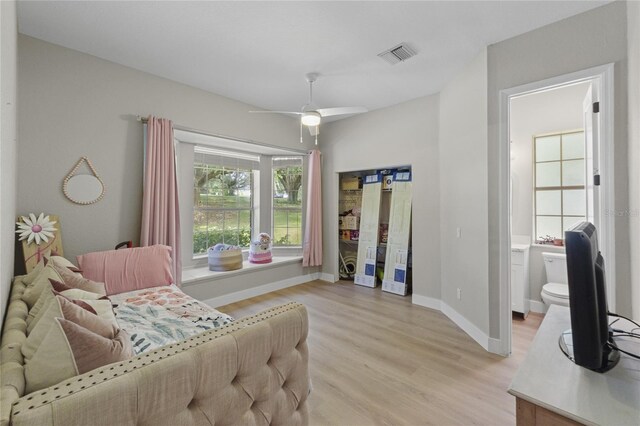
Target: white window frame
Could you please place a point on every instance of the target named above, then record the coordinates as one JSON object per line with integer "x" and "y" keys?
{"x": 562, "y": 187}
{"x": 248, "y": 160}
{"x": 273, "y": 207}
{"x": 262, "y": 192}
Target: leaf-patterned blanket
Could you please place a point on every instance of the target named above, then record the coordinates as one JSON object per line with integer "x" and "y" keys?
{"x": 159, "y": 316}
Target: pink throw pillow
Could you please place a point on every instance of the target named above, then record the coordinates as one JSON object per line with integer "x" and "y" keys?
{"x": 81, "y": 303}
{"x": 128, "y": 269}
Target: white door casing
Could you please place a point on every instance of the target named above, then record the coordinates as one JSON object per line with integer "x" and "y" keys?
{"x": 603, "y": 77}
{"x": 592, "y": 167}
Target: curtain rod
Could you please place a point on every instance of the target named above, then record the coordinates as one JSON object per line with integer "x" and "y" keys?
{"x": 144, "y": 120}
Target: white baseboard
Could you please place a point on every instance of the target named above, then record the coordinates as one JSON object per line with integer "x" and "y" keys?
{"x": 491, "y": 345}
{"x": 427, "y": 302}
{"x": 327, "y": 277}
{"x": 537, "y": 307}
{"x": 226, "y": 299}
{"x": 495, "y": 347}
{"x": 466, "y": 326}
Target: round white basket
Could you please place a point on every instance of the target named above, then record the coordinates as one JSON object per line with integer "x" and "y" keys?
{"x": 225, "y": 260}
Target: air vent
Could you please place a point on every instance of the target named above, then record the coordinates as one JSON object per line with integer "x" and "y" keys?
{"x": 399, "y": 53}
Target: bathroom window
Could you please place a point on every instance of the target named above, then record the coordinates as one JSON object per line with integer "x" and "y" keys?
{"x": 559, "y": 180}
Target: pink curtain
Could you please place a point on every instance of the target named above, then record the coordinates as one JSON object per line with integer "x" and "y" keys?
{"x": 160, "y": 214}
{"x": 312, "y": 250}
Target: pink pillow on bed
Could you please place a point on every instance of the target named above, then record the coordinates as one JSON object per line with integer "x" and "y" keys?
{"x": 128, "y": 269}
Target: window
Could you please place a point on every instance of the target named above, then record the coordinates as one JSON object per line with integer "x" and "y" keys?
{"x": 223, "y": 202}
{"x": 287, "y": 201}
{"x": 232, "y": 190}
{"x": 559, "y": 183}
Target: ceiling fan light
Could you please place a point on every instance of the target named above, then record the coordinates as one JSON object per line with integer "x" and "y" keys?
{"x": 311, "y": 118}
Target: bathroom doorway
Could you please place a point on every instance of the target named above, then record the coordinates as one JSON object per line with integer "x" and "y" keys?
{"x": 556, "y": 163}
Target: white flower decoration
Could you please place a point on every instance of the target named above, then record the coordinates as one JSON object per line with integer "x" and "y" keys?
{"x": 40, "y": 229}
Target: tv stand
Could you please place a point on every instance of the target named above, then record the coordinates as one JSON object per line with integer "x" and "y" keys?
{"x": 551, "y": 389}
{"x": 530, "y": 414}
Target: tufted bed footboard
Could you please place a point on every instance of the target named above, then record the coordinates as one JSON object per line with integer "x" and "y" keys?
{"x": 253, "y": 371}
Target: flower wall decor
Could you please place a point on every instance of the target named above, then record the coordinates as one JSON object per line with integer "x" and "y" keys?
{"x": 38, "y": 229}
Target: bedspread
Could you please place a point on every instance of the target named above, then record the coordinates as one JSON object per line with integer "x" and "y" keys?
{"x": 159, "y": 316}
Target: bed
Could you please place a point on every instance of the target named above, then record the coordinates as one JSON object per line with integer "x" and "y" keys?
{"x": 193, "y": 366}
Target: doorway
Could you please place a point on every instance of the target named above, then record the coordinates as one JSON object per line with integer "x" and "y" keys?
{"x": 556, "y": 164}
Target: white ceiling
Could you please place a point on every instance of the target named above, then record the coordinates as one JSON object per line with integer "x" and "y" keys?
{"x": 259, "y": 52}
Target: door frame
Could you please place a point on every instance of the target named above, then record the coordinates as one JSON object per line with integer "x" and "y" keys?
{"x": 603, "y": 76}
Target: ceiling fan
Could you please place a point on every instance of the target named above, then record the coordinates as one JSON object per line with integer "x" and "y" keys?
{"x": 311, "y": 116}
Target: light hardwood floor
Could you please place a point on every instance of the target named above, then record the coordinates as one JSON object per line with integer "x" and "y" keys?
{"x": 377, "y": 359}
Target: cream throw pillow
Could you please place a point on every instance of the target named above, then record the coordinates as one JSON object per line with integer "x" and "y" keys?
{"x": 44, "y": 298}
{"x": 104, "y": 309}
{"x": 59, "y": 307}
{"x": 100, "y": 304}
{"x": 64, "y": 263}
{"x": 74, "y": 280}
{"x": 76, "y": 293}
{"x": 69, "y": 349}
{"x": 40, "y": 283}
{"x": 100, "y": 307}
{"x": 52, "y": 362}
{"x": 38, "y": 309}
{"x": 28, "y": 279}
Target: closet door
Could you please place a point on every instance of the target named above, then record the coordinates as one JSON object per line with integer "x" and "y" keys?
{"x": 368, "y": 235}
{"x": 395, "y": 266}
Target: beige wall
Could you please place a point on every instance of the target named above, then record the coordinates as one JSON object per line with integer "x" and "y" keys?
{"x": 583, "y": 41}
{"x": 405, "y": 134}
{"x": 633, "y": 37}
{"x": 8, "y": 61}
{"x": 463, "y": 193}
{"x": 73, "y": 104}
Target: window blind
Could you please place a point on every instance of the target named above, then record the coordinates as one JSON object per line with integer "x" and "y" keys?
{"x": 287, "y": 162}
{"x": 226, "y": 159}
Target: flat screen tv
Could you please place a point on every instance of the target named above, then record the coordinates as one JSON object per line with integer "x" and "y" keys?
{"x": 591, "y": 343}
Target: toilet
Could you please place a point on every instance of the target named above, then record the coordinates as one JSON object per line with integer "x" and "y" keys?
{"x": 556, "y": 291}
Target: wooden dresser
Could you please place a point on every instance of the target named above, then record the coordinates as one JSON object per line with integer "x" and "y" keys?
{"x": 552, "y": 390}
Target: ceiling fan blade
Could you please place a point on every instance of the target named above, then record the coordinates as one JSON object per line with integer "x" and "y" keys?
{"x": 314, "y": 130}
{"x": 328, "y": 112}
{"x": 276, "y": 112}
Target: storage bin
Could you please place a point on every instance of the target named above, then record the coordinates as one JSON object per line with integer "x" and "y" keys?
{"x": 351, "y": 183}
{"x": 223, "y": 257}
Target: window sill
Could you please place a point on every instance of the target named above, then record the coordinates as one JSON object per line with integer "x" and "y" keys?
{"x": 200, "y": 261}
{"x": 195, "y": 275}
